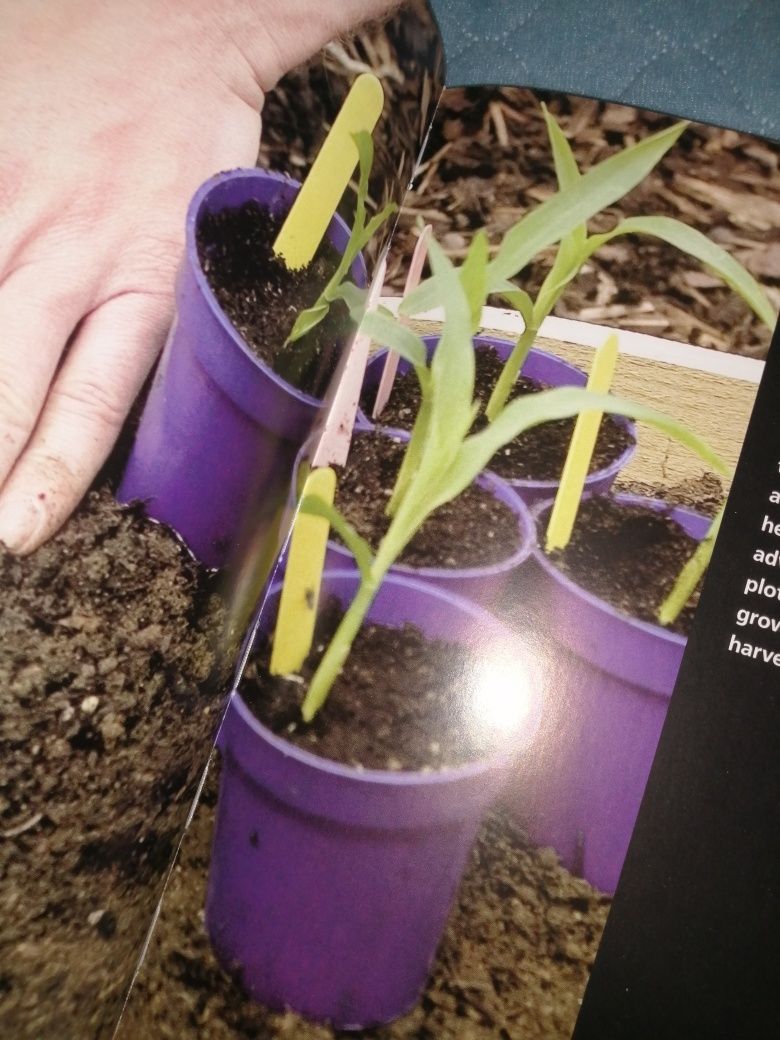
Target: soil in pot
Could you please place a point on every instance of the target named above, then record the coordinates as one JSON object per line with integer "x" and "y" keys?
{"x": 370, "y": 719}
{"x": 512, "y": 965}
{"x": 629, "y": 556}
{"x": 537, "y": 454}
{"x": 474, "y": 530}
{"x": 262, "y": 297}
{"x": 106, "y": 720}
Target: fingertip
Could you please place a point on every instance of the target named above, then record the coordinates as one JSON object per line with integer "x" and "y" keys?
{"x": 23, "y": 525}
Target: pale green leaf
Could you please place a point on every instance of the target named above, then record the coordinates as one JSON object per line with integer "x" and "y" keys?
{"x": 353, "y": 297}
{"x": 568, "y": 174}
{"x": 365, "y": 149}
{"x": 452, "y": 367}
{"x": 307, "y": 320}
{"x": 701, "y": 248}
{"x": 376, "y": 222}
{"x": 398, "y": 337}
{"x": 521, "y": 302}
{"x": 601, "y": 186}
{"x": 690, "y": 576}
{"x": 533, "y": 409}
{"x": 425, "y": 297}
{"x": 313, "y": 505}
{"x": 410, "y": 464}
{"x": 473, "y": 276}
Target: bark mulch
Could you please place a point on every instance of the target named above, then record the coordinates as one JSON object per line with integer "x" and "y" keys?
{"x": 488, "y": 162}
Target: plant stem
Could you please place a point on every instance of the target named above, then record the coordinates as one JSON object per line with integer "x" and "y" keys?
{"x": 510, "y": 372}
{"x": 690, "y": 575}
{"x": 340, "y": 645}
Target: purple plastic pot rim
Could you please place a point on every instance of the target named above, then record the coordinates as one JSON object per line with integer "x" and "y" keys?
{"x": 193, "y": 214}
{"x": 657, "y": 631}
{"x": 380, "y": 777}
{"x": 543, "y": 486}
{"x": 593, "y": 478}
{"x": 368, "y": 777}
{"x": 611, "y": 470}
{"x": 501, "y": 489}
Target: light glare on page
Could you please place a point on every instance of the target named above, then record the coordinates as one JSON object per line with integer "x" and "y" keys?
{"x": 501, "y": 694}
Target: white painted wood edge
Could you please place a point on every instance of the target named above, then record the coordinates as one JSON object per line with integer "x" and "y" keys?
{"x": 636, "y": 344}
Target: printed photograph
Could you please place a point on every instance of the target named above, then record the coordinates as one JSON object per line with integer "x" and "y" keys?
{"x": 330, "y": 711}
{"x": 429, "y": 775}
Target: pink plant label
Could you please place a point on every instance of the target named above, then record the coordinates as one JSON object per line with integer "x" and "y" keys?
{"x": 412, "y": 281}
{"x": 336, "y": 434}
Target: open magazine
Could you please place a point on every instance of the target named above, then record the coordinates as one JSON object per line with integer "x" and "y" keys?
{"x": 502, "y": 764}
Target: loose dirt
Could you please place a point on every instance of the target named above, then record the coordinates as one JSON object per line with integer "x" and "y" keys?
{"x": 106, "y": 719}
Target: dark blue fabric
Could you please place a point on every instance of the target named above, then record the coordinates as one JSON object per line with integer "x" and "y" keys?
{"x": 715, "y": 61}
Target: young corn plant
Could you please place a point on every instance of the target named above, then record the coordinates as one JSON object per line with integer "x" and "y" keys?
{"x": 363, "y": 230}
{"x": 563, "y": 219}
{"x": 690, "y": 575}
{"x": 442, "y": 457}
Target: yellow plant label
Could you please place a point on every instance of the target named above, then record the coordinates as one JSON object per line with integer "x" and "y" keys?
{"x": 321, "y": 192}
{"x": 575, "y": 469}
{"x": 302, "y": 579}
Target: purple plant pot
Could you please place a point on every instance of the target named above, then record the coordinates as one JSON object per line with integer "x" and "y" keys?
{"x": 485, "y": 585}
{"x": 330, "y": 886}
{"x": 220, "y": 431}
{"x": 544, "y": 368}
{"x": 608, "y": 684}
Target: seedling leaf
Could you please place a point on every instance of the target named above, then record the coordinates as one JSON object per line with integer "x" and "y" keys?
{"x": 313, "y": 505}
{"x": 522, "y": 303}
{"x": 360, "y": 234}
{"x": 690, "y": 576}
{"x": 383, "y": 328}
{"x": 473, "y": 276}
{"x": 697, "y": 245}
{"x": 602, "y": 185}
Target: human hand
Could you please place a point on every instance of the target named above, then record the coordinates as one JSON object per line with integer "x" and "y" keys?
{"x": 111, "y": 114}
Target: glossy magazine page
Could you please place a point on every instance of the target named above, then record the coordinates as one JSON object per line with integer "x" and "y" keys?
{"x": 429, "y": 844}
{"x": 478, "y": 593}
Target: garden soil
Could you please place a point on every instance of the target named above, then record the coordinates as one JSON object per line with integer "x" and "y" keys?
{"x": 474, "y": 530}
{"x": 369, "y": 719}
{"x": 109, "y": 704}
{"x": 512, "y": 965}
{"x": 629, "y": 556}
{"x": 538, "y": 453}
{"x": 262, "y": 297}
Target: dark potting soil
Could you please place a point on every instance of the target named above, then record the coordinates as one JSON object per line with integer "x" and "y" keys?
{"x": 262, "y": 297}
{"x": 512, "y": 965}
{"x": 401, "y": 701}
{"x": 106, "y": 719}
{"x": 537, "y": 454}
{"x": 629, "y": 556}
{"x": 474, "y": 530}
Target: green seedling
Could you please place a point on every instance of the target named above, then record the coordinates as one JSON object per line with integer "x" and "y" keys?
{"x": 442, "y": 457}
{"x": 690, "y": 576}
{"x": 563, "y": 219}
{"x": 363, "y": 230}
